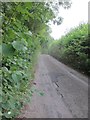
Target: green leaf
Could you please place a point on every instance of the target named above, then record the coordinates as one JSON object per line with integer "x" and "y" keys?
{"x": 1, "y": 113}
{"x": 4, "y": 69}
{"x": 41, "y": 93}
{"x": 11, "y": 33}
{"x": 7, "y": 115}
{"x": 5, "y": 106}
{"x": 7, "y": 49}
{"x": 19, "y": 45}
{"x": 16, "y": 76}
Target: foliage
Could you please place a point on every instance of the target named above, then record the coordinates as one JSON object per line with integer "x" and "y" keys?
{"x": 24, "y": 32}
{"x": 22, "y": 23}
{"x": 72, "y": 49}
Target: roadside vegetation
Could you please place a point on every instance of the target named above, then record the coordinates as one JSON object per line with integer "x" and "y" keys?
{"x": 73, "y": 49}
{"x": 24, "y": 34}
{"x": 23, "y": 29}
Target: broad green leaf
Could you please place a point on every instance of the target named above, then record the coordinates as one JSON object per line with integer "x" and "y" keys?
{"x": 19, "y": 45}
{"x": 7, "y": 49}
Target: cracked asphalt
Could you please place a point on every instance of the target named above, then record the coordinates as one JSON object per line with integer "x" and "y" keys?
{"x": 65, "y": 92}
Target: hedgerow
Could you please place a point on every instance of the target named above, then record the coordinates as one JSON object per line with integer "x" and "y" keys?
{"x": 24, "y": 33}
{"x": 72, "y": 49}
{"x": 22, "y": 25}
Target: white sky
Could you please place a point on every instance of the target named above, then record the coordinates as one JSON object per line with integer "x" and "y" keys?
{"x": 72, "y": 17}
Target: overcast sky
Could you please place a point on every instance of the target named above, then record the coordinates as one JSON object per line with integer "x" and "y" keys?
{"x": 72, "y": 17}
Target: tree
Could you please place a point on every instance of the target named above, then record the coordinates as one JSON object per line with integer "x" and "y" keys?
{"x": 24, "y": 32}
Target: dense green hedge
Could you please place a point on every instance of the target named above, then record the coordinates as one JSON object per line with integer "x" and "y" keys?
{"x": 73, "y": 49}
{"x": 22, "y": 26}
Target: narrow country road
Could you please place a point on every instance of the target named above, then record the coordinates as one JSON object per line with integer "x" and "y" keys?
{"x": 65, "y": 92}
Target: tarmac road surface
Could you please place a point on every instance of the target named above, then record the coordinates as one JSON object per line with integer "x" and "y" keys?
{"x": 64, "y": 92}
